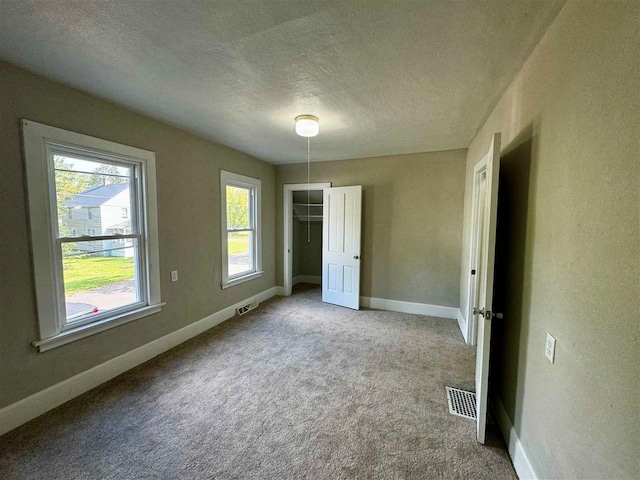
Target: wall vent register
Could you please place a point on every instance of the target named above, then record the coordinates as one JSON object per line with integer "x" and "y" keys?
{"x": 241, "y": 310}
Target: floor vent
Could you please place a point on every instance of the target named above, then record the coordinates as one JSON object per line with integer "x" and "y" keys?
{"x": 462, "y": 403}
{"x": 247, "y": 307}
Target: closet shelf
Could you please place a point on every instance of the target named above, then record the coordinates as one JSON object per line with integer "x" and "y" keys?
{"x": 308, "y": 212}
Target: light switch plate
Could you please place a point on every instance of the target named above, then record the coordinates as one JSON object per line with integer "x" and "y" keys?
{"x": 174, "y": 275}
{"x": 550, "y": 348}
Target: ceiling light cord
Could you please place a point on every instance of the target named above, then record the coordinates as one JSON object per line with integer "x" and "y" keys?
{"x": 308, "y": 191}
{"x": 308, "y": 126}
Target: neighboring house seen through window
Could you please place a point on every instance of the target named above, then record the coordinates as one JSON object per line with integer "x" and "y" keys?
{"x": 84, "y": 285}
{"x": 241, "y": 236}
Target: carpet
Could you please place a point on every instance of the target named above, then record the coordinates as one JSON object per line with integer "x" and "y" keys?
{"x": 295, "y": 389}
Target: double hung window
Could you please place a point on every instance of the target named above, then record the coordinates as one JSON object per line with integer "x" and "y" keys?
{"x": 94, "y": 269}
{"x": 241, "y": 238}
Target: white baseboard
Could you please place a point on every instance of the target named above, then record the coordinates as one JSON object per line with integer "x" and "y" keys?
{"x": 313, "y": 279}
{"x": 462, "y": 323}
{"x": 22, "y": 411}
{"x": 519, "y": 457}
{"x": 409, "y": 307}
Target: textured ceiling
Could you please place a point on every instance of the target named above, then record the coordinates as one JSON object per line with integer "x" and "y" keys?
{"x": 384, "y": 77}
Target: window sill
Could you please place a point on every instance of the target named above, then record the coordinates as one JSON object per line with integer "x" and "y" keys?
{"x": 93, "y": 328}
{"x": 245, "y": 278}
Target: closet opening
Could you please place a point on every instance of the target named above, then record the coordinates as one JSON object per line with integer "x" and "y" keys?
{"x": 307, "y": 239}
{"x": 303, "y": 212}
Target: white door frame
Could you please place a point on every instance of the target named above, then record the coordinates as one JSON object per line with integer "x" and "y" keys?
{"x": 287, "y": 253}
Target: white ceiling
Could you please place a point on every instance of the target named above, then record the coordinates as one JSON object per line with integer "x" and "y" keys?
{"x": 384, "y": 77}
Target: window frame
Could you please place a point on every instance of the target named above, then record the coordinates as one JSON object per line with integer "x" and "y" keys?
{"x": 40, "y": 142}
{"x": 255, "y": 185}
{"x": 136, "y": 168}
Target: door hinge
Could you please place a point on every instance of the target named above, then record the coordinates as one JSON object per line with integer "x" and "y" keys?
{"x": 473, "y": 271}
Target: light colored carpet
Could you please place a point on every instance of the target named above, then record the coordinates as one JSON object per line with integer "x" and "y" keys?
{"x": 295, "y": 389}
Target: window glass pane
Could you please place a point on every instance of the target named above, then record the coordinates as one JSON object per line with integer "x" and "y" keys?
{"x": 99, "y": 275}
{"x": 240, "y": 252}
{"x": 92, "y": 196}
{"x": 238, "y": 214}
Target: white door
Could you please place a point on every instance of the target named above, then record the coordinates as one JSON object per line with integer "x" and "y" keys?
{"x": 485, "y": 195}
{"x": 341, "y": 246}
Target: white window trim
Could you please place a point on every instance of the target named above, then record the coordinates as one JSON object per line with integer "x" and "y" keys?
{"x": 229, "y": 178}
{"x": 37, "y": 138}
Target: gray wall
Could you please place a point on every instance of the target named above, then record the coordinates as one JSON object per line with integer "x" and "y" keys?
{"x": 568, "y": 249}
{"x": 188, "y": 188}
{"x": 308, "y": 255}
{"x": 411, "y": 224}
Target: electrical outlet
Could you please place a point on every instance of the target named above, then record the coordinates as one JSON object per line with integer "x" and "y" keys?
{"x": 174, "y": 275}
{"x": 550, "y": 348}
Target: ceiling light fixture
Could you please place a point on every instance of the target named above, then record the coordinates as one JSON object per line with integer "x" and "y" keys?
{"x": 308, "y": 126}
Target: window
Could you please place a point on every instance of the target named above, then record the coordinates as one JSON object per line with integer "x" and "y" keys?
{"x": 125, "y": 214}
{"x": 241, "y": 237}
{"x": 86, "y": 285}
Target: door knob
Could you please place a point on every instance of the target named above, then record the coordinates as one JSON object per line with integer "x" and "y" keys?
{"x": 356, "y": 257}
{"x": 488, "y": 315}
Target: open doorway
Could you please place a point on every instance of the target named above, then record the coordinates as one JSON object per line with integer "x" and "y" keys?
{"x": 303, "y": 215}
{"x": 324, "y": 246}
{"x": 307, "y": 237}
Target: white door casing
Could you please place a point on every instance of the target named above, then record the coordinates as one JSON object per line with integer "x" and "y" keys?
{"x": 485, "y": 195}
{"x": 341, "y": 246}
